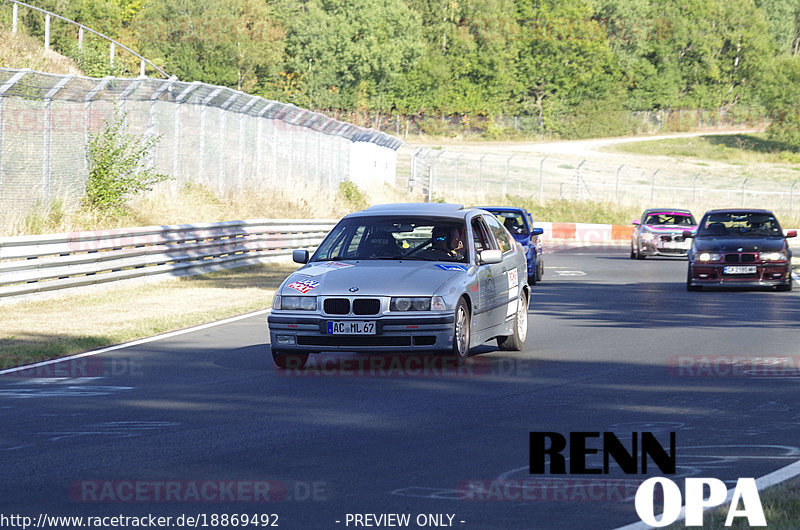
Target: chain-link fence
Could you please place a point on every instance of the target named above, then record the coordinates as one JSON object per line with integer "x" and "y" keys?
{"x": 209, "y": 135}
{"x": 470, "y": 175}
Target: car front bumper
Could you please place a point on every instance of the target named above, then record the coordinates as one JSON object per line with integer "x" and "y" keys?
{"x": 765, "y": 276}
{"x": 301, "y": 333}
{"x": 664, "y": 248}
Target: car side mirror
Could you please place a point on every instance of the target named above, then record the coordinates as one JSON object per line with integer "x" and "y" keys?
{"x": 491, "y": 256}
{"x": 537, "y": 231}
{"x": 636, "y": 222}
{"x": 688, "y": 234}
{"x": 791, "y": 233}
{"x": 300, "y": 256}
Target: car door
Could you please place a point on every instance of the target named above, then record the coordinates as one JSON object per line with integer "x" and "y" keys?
{"x": 492, "y": 278}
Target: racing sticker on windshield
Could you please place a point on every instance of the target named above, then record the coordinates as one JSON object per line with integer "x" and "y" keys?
{"x": 461, "y": 268}
{"x": 304, "y": 286}
{"x": 322, "y": 268}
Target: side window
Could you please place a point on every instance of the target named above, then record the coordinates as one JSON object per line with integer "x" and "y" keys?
{"x": 500, "y": 233}
{"x": 480, "y": 236}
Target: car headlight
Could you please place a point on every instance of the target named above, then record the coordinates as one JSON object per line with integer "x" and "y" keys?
{"x": 437, "y": 304}
{"x": 646, "y": 236}
{"x": 708, "y": 256}
{"x": 417, "y": 303}
{"x": 298, "y": 303}
{"x": 773, "y": 256}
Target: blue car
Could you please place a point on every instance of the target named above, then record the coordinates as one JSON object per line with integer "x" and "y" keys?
{"x": 520, "y": 223}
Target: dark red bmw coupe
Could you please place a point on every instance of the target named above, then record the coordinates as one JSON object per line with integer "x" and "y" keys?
{"x": 739, "y": 247}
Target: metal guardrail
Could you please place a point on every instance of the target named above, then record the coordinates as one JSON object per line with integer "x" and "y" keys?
{"x": 113, "y": 44}
{"x": 34, "y": 264}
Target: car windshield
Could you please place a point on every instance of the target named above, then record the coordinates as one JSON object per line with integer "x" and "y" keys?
{"x": 670, "y": 218}
{"x": 395, "y": 237}
{"x": 738, "y": 224}
{"x": 513, "y": 221}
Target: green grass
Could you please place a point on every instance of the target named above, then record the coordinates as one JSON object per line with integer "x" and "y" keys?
{"x": 731, "y": 148}
{"x": 36, "y": 330}
{"x": 781, "y": 506}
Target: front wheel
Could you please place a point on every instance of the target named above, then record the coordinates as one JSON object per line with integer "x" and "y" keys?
{"x": 787, "y": 286}
{"x": 516, "y": 341}
{"x": 461, "y": 334}
{"x": 286, "y": 360}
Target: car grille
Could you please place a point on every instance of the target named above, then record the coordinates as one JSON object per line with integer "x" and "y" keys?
{"x": 337, "y": 306}
{"x": 366, "y": 306}
{"x": 740, "y": 258}
{"x": 668, "y": 237}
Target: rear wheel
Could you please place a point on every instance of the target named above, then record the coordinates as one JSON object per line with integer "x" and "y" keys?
{"x": 516, "y": 341}
{"x": 287, "y": 360}
{"x": 461, "y": 334}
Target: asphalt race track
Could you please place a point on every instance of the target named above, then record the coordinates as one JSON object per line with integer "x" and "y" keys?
{"x": 202, "y": 424}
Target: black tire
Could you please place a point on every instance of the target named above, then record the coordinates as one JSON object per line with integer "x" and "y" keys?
{"x": 787, "y": 286}
{"x": 286, "y": 360}
{"x": 516, "y": 341}
{"x": 461, "y": 333}
{"x": 633, "y": 253}
{"x": 689, "y": 286}
{"x": 540, "y": 269}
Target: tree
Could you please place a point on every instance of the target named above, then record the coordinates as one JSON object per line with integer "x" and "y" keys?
{"x": 780, "y": 95}
{"x": 710, "y": 48}
{"x": 783, "y": 17}
{"x": 351, "y": 54}
{"x": 223, "y": 43}
{"x": 563, "y": 57}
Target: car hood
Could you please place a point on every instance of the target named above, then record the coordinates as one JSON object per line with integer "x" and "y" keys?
{"x": 733, "y": 244}
{"x": 374, "y": 278}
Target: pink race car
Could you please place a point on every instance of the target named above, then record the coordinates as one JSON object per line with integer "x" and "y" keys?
{"x": 659, "y": 232}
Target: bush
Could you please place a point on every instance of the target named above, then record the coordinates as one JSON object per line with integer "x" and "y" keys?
{"x": 353, "y": 197}
{"x": 117, "y": 166}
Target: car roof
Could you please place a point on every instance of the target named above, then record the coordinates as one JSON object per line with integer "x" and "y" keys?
{"x": 455, "y": 211}
{"x": 676, "y": 210}
{"x": 501, "y": 208}
{"x": 739, "y": 210}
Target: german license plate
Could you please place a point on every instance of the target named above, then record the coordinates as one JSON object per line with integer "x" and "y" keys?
{"x": 351, "y": 327}
{"x": 739, "y": 269}
{"x": 675, "y": 244}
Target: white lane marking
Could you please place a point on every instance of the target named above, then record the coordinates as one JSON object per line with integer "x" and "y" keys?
{"x": 570, "y": 273}
{"x": 120, "y": 429}
{"x": 776, "y": 477}
{"x": 135, "y": 342}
